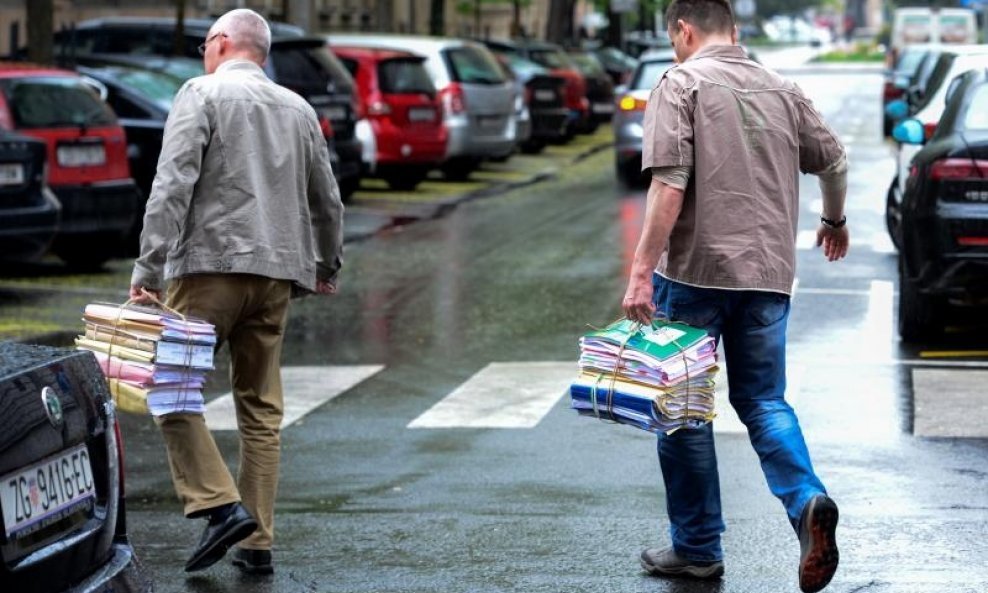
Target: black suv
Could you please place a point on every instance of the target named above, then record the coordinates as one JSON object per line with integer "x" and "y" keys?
{"x": 298, "y": 62}
{"x": 61, "y": 477}
{"x": 28, "y": 209}
{"x": 943, "y": 232}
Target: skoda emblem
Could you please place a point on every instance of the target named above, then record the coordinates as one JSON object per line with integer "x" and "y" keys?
{"x": 53, "y": 406}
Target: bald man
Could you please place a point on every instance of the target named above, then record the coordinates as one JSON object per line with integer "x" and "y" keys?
{"x": 244, "y": 211}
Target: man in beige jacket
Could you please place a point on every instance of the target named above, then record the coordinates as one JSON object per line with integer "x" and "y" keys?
{"x": 244, "y": 210}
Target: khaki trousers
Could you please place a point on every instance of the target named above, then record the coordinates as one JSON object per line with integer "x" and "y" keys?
{"x": 249, "y": 313}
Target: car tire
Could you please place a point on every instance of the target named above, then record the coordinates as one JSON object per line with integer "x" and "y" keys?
{"x": 532, "y": 146}
{"x": 629, "y": 174}
{"x": 919, "y": 314}
{"x": 348, "y": 187}
{"x": 459, "y": 168}
{"x": 893, "y": 215}
{"x": 88, "y": 253}
{"x": 887, "y": 126}
{"x": 406, "y": 180}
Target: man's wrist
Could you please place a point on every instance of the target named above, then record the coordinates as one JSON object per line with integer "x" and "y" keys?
{"x": 833, "y": 223}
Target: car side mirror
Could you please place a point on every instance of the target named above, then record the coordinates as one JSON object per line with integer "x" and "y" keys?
{"x": 909, "y": 131}
{"x": 897, "y": 109}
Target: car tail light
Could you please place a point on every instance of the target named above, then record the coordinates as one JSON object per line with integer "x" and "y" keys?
{"x": 972, "y": 241}
{"x": 378, "y": 108}
{"x": 629, "y": 103}
{"x": 953, "y": 169}
{"x": 928, "y": 129}
{"x": 892, "y": 92}
{"x": 453, "y": 100}
{"x": 325, "y": 126}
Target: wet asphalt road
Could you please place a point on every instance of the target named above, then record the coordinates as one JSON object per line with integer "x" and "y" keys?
{"x": 368, "y": 504}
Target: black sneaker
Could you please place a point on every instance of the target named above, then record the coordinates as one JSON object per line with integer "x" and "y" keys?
{"x": 818, "y": 545}
{"x": 666, "y": 562}
{"x": 253, "y": 561}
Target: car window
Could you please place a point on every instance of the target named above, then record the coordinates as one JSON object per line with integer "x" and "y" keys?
{"x": 126, "y": 108}
{"x": 473, "y": 66}
{"x": 909, "y": 61}
{"x": 404, "y": 76}
{"x": 930, "y": 79}
{"x": 351, "y": 65}
{"x": 976, "y": 117}
{"x": 588, "y": 65}
{"x": 550, "y": 58}
{"x": 136, "y": 41}
{"x": 158, "y": 88}
{"x": 54, "y": 102}
{"x": 309, "y": 67}
{"x": 648, "y": 75}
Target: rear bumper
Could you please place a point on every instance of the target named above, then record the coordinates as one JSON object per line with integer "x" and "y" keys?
{"x": 348, "y": 165}
{"x": 121, "y": 574}
{"x": 26, "y": 232}
{"x": 549, "y": 124}
{"x": 464, "y": 141}
{"x": 105, "y": 207}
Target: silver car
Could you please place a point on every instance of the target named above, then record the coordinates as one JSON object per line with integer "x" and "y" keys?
{"x": 479, "y": 101}
{"x": 627, "y": 121}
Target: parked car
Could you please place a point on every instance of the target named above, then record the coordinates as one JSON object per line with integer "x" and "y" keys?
{"x": 618, "y": 64}
{"x": 478, "y": 99}
{"x": 523, "y": 117}
{"x": 300, "y": 63}
{"x": 553, "y": 58}
{"x": 29, "y": 211}
{"x": 912, "y": 25}
{"x": 943, "y": 258}
{"x": 402, "y": 110}
{"x": 898, "y": 77}
{"x": 87, "y": 158}
{"x": 61, "y": 477}
{"x": 600, "y": 89}
{"x": 627, "y": 122}
{"x": 544, "y": 95}
{"x": 950, "y": 63}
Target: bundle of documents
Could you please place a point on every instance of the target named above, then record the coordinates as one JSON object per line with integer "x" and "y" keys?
{"x": 658, "y": 378}
{"x": 155, "y": 361}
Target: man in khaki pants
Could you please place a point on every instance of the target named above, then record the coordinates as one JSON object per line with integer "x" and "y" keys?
{"x": 244, "y": 209}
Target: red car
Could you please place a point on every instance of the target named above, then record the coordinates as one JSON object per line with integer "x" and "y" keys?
{"x": 400, "y": 105}
{"x": 87, "y": 158}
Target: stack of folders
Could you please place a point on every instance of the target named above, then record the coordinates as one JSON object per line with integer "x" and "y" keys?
{"x": 155, "y": 361}
{"x": 658, "y": 378}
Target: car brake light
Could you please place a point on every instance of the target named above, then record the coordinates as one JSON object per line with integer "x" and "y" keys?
{"x": 325, "y": 126}
{"x": 628, "y": 103}
{"x": 453, "y": 100}
{"x": 972, "y": 241}
{"x": 378, "y": 108}
{"x": 892, "y": 92}
{"x": 947, "y": 169}
{"x": 928, "y": 129}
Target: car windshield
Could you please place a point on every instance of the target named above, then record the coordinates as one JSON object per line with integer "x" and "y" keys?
{"x": 473, "y": 66}
{"x": 54, "y": 102}
{"x": 588, "y": 65}
{"x": 404, "y": 75}
{"x": 550, "y": 58}
{"x": 976, "y": 118}
{"x": 309, "y": 68}
{"x": 648, "y": 75}
{"x": 909, "y": 61}
{"x": 159, "y": 88}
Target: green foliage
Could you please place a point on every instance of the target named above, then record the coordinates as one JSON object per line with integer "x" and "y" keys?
{"x": 860, "y": 52}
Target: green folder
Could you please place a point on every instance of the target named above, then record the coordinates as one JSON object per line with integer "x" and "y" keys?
{"x": 661, "y": 340}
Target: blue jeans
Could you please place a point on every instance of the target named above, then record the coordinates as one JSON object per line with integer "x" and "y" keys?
{"x": 752, "y": 327}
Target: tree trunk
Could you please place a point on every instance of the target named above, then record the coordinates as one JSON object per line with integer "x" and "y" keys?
{"x": 437, "y": 17}
{"x": 178, "y": 42}
{"x": 614, "y": 26}
{"x": 40, "y": 30}
{"x": 515, "y": 18}
{"x": 560, "y": 26}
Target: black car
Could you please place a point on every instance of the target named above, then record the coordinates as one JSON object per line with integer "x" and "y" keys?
{"x": 544, "y": 95}
{"x": 618, "y": 64}
{"x": 61, "y": 477}
{"x": 943, "y": 229}
{"x": 29, "y": 211}
{"x": 600, "y": 88}
{"x": 298, "y": 62}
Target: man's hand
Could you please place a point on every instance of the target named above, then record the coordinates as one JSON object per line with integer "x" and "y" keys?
{"x": 835, "y": 242}
{"x": 637, "y": 303}
{"x": 142, "y": 295}
{"x": 325, "y": 287}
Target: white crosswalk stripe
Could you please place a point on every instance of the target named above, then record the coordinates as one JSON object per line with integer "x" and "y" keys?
{"x": 305, "y": 388}
{"x": 502, "y": 395}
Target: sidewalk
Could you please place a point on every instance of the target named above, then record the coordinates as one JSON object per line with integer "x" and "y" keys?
{"x": 374, "y": 207}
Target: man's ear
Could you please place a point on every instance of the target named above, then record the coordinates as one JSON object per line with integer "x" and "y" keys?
{"x": 686, "y": 30}
{"x": 734, "y": 35}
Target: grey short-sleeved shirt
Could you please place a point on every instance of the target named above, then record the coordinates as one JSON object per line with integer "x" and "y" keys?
{"x": 747, "y": 133}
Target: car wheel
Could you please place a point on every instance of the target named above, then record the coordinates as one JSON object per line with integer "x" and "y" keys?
{"x": 532, "y": 146}
{"x": 919, "y": 314}
{"x": 887, "y": 125}
{"x": 629, "y": 174}
{"x": 89, "y": 253}
{"x": 348, "y": 187}
{"x": 459, "y": 169}
{"x": 893, "y": 215}
{"x": 406, "y": 180}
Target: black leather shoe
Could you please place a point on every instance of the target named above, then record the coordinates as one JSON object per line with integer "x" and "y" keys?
{"x": 818, "y": 544}
{"x": 253, "y": 561}
{"x": 224, "y": 530}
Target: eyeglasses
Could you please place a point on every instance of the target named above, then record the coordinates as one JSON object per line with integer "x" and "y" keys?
{"x": 202, "y": 46}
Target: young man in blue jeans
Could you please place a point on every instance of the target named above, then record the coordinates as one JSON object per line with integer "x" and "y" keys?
{"x": 725, "y": 139}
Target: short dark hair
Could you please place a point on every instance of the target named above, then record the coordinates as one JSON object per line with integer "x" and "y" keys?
{"x": 709, "y": 16}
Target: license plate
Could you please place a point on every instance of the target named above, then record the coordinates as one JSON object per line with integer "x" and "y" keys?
{"x": 38, "y": 496}
{"x": 11, "y": 174}
{"x": 603, "y": 108}
{"x": 490, "y": 122}
{"x": 421, "y": 114}
{"x": 81, "y": 155}
{"x": 334, "y": 112}
{"x": 545, "y": 95}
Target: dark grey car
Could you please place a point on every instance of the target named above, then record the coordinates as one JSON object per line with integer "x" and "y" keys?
{"x": 627, "y": 120}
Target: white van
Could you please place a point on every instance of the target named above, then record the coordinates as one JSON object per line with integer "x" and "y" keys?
{"x": 932, "y": 25}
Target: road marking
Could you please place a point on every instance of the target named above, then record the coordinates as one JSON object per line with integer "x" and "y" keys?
{"x": 879, "y": 330}
{"x": 952, "y": 353}
{"x": 502, "y": 395}
{"x": 949, "y": 403}
{"x": 305, "y": 388}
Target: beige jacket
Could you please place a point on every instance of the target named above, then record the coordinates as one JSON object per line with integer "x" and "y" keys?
{"x": 747, "y": 133}
{"x": 244, "y": 186}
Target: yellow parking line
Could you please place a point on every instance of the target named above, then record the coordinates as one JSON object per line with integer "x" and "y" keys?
{"x": 952, "y": 353}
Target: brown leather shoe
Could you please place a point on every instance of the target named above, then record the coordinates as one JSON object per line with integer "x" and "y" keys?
{"x": 818, "y": 544}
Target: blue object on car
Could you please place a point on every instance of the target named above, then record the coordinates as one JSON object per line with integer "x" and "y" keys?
{"x": 909, "y": 131}
{"x": 897, "y": 109}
